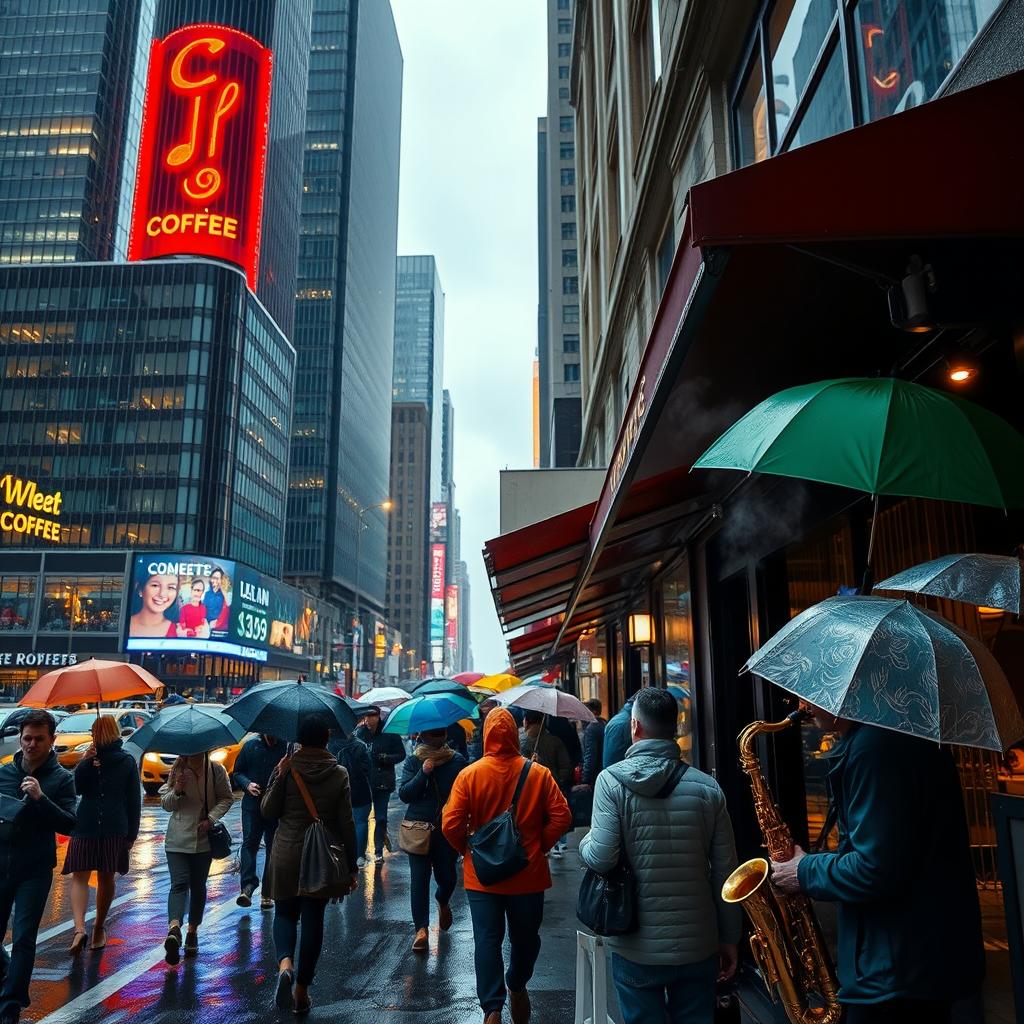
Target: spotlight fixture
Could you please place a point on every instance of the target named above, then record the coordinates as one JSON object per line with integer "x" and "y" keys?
{"x": 908, "y": 300}
{"x": 960, "y": 370}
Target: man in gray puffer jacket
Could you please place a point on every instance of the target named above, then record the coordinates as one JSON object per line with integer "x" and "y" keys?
{"x": 678, "y": 841}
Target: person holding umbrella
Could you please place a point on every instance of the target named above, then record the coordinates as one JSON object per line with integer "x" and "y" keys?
{"x": 107, "y": 780}
{"x": 542, "y": 746}
{"x": 386, "y": 751}
{"x": 256, "y": 761}
{"x": 355, "y": 759}
{"x": 197, "y": 794}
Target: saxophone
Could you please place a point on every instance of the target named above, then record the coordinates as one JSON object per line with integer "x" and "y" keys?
{"x": 787, "y": 943}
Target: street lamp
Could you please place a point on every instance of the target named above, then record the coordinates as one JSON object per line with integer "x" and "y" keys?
{"x": 357, "y": 627}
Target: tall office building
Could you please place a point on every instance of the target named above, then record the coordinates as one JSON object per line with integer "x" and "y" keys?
{"x": 345, "y": 306}
{"x": 541, "y": 371}
{"x": 558, "y": 308}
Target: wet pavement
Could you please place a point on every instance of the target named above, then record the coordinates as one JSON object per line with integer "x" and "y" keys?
{"x": 367, "y": 974}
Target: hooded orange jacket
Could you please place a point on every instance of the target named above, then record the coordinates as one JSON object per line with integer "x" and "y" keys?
{"x": 484, "y": 790}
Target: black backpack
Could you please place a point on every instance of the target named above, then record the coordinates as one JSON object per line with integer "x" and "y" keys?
{"x": 496, "y": 847}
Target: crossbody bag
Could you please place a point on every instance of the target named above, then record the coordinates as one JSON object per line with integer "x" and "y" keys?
{"x": 414, "y": 836}
{"x": 322, "y": 871}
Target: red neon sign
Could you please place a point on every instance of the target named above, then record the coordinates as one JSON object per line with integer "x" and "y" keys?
{"x": 202, "y": 157}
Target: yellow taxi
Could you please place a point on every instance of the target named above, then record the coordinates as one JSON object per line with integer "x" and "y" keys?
{"x": 156, "y": 767}
{"x": 74, "y": 733}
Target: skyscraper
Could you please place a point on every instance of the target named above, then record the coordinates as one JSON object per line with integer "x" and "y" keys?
{"x": 345, "y": 306}
{"x": 558, "y": 313}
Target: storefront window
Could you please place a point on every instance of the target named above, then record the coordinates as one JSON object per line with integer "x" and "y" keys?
{"x": 905, "y": 48}
{"x": 797, "y": 31}
{"x": 828, "y": 112}
{"x": 677, "y": 629}
{"x": 17, "y": 603}
{"x": 751, "y": 123}
{"x": 81, "y": 603}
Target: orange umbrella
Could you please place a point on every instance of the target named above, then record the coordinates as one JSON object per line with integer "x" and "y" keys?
{"x": 495, "y": 684}
{"x": 91, "y": 682}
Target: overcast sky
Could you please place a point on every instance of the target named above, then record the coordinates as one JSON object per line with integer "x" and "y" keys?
{"x": 475, "y": 83}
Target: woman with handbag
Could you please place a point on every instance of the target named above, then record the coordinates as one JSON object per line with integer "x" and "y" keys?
{"x": 427, "y": 780}
{"x": 198, "y": 794}
{"x": 107, "y": 780}
{"x": 313, "y": 859}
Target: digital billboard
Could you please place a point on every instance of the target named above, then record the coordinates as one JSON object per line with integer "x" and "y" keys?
{"x": 439, "y": 522}
{"x": 202, "y": 155}
{"x": 195, "y": 603}
{"x": 437, "y": 567}
{"x": 451, "y": 625}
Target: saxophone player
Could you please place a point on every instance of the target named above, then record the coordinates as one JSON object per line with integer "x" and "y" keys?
{"x": 909, "y": 942}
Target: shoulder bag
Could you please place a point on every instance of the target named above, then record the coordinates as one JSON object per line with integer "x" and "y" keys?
{"x": 607, "y": 904}
{"x": 10, "y": 809}
{"x": 322, "y": 872}
{"x": 496, "y": 846}
{"x": 217, "y": 834}
{"x": 414, "y": 836}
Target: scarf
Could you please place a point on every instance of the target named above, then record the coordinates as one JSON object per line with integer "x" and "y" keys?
{"x": 439, "y": 755}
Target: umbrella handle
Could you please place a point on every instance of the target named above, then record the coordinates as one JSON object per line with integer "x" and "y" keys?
{"x": 868, "y": 580}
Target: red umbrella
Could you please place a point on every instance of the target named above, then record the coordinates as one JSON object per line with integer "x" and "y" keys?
{"x": 91, "y": 682}
{"x": 468, "y": 678}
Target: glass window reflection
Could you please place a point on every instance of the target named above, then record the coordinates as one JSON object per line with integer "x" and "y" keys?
{"x": 751, "y": 123}
{"x": 17, "y": 603}
{"x": 89, "y": 604}
{"x": 678, "y": 633}
{"x": 828, "y": 112}
{"x": 797, "y": 32}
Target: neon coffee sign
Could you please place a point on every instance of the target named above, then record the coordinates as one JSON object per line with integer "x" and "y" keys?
{"x": 202, "y": 156}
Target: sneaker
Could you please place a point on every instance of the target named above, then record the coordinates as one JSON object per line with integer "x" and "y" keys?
{"x": 266, "y": 904}
{"x": 191, "y": 943}
{"x": 172, "y": 946}
{"x": 444, "y": 917}
{"x": 556, "y": 853}
{"x": 360, "y": 862}
{"x": 245, "y": 897}
{"x": 420, "y": 943}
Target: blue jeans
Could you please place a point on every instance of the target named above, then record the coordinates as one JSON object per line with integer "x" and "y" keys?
{"x": 361, "y": 816}
{"x": 490, "y": 912}
{"x": 381, "y": 799}
{"x": 665, "y": 994}
{"x": 25, "y": 894}
{"x": 255, "y": 828}
{"x": 439, "y": 861}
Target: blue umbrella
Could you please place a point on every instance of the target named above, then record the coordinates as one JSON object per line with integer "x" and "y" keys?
{"x": 277, "y": 708}
{"x": 443, "y": 686}
{"x": 887, "y": 663}
{"x": 679, "y": 692}
{"x": 429, "y": 712}
{"x": 993, "y": 581}
{"x": 193, "y": 729}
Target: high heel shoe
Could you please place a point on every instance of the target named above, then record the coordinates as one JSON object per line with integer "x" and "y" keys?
{"x": 77, "y": 943}
{"x": 99, "y": 938}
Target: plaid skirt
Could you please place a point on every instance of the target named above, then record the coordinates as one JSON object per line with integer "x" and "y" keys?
{"x": 110, "y": 854}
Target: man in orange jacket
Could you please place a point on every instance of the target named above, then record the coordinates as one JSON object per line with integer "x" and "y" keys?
{"x": 482, "y": 792}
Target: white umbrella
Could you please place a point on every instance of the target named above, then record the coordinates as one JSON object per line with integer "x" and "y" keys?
{"x": 382, "y": 696}
{"x": 548, "y": 701}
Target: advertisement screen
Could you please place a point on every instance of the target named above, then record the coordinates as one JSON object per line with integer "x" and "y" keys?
{"x": 195, "y": 603}
{"x": 437, "y": 566}
{"x": 203, "y": 149}
{"x": 439, "y": 522}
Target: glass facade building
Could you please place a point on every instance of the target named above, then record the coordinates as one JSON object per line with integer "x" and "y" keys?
{"x": 156, "y": 397}
{"x": 345, "y": 304}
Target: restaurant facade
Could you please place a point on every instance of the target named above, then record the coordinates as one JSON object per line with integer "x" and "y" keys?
{"x": 828, "y": 240}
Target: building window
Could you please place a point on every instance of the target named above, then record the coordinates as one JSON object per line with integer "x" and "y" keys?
{"x": 570, "y": 343}
{"x": 564, "y": 27}
{"x": 751, "y": 128}
{"x": 81, "y": 603}
{"x": 797, "y": 30}
{"x": 563, "y": 72}
{"x": 569, "y": 231}
{"x": 570, "y": 314}
{"x": 563, "y": 92}
{"x": 655, "y": 40}
{"x": 828, "y": 113}
{"x": 17, "y": 603}
{"x": 566, "y": 151}
{"x": 570, "y": 285}
{"x": 565, "y": 49}
{"x": 677, "y": 631}
{"x": 569, "y": 258}
{"x": 565, "y": 123}
{"x": 568, "y": 177}
{"x": 568, "y": 204}
{"x": 563, "y": 5}
{"x": 572, "y": 372}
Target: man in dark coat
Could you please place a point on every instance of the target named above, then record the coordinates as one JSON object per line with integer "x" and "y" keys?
{"x": 910, "y": 941}
{"x": 386, "y": 751}
{"x": 28, "y": 849}
{"x": 255, "y": 764}
{"x": 355, "y": 759}
{"x": 618, "y": 736}
{"x": 593, "y": 744}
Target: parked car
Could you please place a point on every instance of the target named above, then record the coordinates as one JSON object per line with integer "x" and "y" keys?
{"x": 10, "y": 728}
{"x": 156, "y": 767}
{"x": 74, "y": 734}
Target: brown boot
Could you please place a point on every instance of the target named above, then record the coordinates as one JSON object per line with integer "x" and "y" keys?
{"x": 444, "y": 917}
{"x": 494, "y": 1017}
{"x": 420, "y": 943}
{"x": 519, "y": 1007}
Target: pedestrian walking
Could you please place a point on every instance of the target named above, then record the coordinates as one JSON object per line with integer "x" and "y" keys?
{"x": 570, "y": 737}
{"x": 902, "y": 954}
{"x": 541, "y": 745}
{"x": 618, "y": 735}
{"x": 386, "y": 751}
{"x": 593, "y": 743}
{"x": 427, "y": 780}
{"x": 475, "y": 750}
{"x": 37, "y": 800}
{"x": 197, "y": 794}
{"x": 254, "y": 765}
{"x": 107, "y": 780}
{"x": 353, "y": 756}
{"x": 669, "y": 823}
{"x": 311, "y": 776}
{"x": 481, "y": 792}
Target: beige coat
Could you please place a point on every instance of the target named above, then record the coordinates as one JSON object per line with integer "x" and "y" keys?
{"x": 187, "y": 808}
{"x": 328, "y": 787}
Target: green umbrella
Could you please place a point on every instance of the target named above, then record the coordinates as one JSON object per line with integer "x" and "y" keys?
{"x": 883, "y": 436}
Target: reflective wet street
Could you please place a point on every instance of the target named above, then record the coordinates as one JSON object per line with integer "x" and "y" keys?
{"x": 367, "y": 972}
